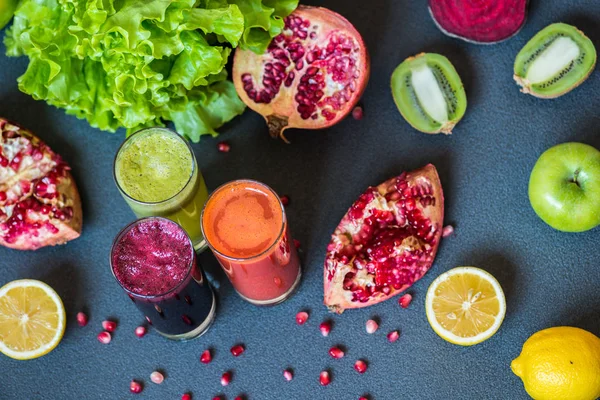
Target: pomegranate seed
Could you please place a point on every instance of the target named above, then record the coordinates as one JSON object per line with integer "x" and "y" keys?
{"x": 82, "y": 319}
{"x": 325, "y": 328}
{"x": 206, "y": 357}
{"x": 285, "y": 200}
{"x": 186, "y": 396}
{"x": 224, "y": 147}
{"x": 288, "y": 375}
{"x": 237, "y": 350}
{"x": 393, "y": 336}
{"x": 135, "y": 387}
{"x": 301, "y": 317}
{"x": 104, "y": 337}
{"x": 217, "y": 398}
{"x": 405, "y": 300}
{"x": 238, "y": 398}
{"x": 336, "y": 352}
{"x": 296, "y": 243}
{"x": 372, "y": 326}
{"x": 360, "y": 366}
{"x": 157, "y": 377}
{"x": 357, "y": 113}
{"x": 363, "y": 398}
{"x": 226, "y": 378}
{"x": 109, "y": 326}
{"x": 2, "y": 196}
{"x": 140, "y": 331}
{"x": 324, "y": 378}
{"x": 447, "y": 231}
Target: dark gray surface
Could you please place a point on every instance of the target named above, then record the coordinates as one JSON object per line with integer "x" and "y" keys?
{"x": 550, "y": 278}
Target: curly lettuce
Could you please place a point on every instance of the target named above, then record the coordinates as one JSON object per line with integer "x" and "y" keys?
{"x": 140, "y": 63}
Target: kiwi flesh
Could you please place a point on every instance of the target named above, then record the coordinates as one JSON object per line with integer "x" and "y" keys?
{"x": 555, "y": 61}
{"x": 429, "y": 93}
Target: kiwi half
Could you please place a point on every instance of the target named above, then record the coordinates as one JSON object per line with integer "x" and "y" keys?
{"x": 429, "y": 93}
{"x": 555, "y": 61}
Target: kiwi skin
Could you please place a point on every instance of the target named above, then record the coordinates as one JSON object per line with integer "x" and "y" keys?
{"x": 526, "y": 87}
{"x": 446, "y": 128}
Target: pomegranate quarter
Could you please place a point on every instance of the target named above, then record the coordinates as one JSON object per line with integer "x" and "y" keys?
{"x": 39, "y": 202}
{"x": 311, "y": 76}
{"x": 386, "y": 241}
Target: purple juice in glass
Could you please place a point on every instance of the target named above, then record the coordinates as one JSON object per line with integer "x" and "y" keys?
{"x": 154, "y": 261}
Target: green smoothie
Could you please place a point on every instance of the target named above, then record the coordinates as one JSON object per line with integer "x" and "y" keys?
{"x": 157, "y": 174}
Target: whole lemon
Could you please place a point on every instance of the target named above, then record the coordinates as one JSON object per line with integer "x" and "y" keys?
{"x": 561, "y": 363}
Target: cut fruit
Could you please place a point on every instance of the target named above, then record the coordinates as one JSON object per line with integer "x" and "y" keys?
{"x": 387, "y": 241}
{"x": 557, "y": 60}
{"x": 429, "y": 93}
{"x": 32, "y": 319}
{"x": 465, "y": 305}
{"x": 479, "y": 21}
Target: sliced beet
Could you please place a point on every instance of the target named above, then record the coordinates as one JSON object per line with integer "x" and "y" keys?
{"x": 479, "y": 21}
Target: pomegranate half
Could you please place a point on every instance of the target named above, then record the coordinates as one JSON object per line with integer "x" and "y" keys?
{"x": 39, "y": 202}
{"x": 386, "y": 241}
{"x": 311, "y": 76}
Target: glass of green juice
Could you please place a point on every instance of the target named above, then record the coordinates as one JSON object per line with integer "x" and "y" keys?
{"x": 156, "y": 172}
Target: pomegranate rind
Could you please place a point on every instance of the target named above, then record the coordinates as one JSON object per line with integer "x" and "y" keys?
{"x": 37, "y": 161}
{"x": 281, "y": 111}
{"x": 570, "y": 78}
{"x": 479, "y": 22}
{"x": 409, "y": 106}
{"x": 351, "y": 239}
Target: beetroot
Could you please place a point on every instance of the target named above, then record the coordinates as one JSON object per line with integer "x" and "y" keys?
{"x": 386, "y": 241}
{"x": 479, "y": 21}
{"x": 39, "y": 201}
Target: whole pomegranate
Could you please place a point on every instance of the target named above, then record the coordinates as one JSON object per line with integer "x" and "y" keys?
{"x": 311, "y": 76}
{"x": 39, "y": 202}
{"x": 386, "y": 241}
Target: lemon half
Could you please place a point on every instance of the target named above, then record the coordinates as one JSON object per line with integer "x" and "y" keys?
{"x": 32, "y": 319}
{"x": 465, "y": 305}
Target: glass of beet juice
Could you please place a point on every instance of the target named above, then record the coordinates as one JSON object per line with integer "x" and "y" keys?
{"x": 245, "y": 226}
{"x": 154, "y": 261}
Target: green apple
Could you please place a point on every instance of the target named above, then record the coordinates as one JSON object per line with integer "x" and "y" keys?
{"x": 7, "y": 10}
{"x": 564, "y": 187}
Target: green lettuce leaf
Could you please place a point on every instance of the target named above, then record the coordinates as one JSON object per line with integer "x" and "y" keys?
{"x": 138, "y": 63}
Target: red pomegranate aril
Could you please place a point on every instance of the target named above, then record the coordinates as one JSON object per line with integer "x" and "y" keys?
{"x": 140, "y": 331}
{"x": 405, "y": 300}
{"x": 363, "y": 398}
{"x": 186, "y": 396}
{"x": 217, "y": 398}
{"x": 3, "y": 196}
{"x": 447, "y": 231}
{"x": 372, "y": 326}
{"x": 109, "y": 326}
{"x": 301, "y": 317}
{"x": 157, "y": 377}
{"x": 135, "y": 387}
{"x": 324, "y": 378}
{"x": 206, "y": 357}
{"x": 357, "y": 113}
{"x": 360, "y": 366}
{"x": 237, "y": 350}
{"x": 393, "y": 336}
{"x": 285, "y": 200}
{"x": 223, "y": 147}
{"x": 82, "y": 319}
{"x": 325, "y": 328}
{"x": 288, "y": 375}
{"x": 104, "y": 337}
{"x": 239, "y": 398}
{"x": 226, "y": 378}
{"x": 336, "y": 352}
